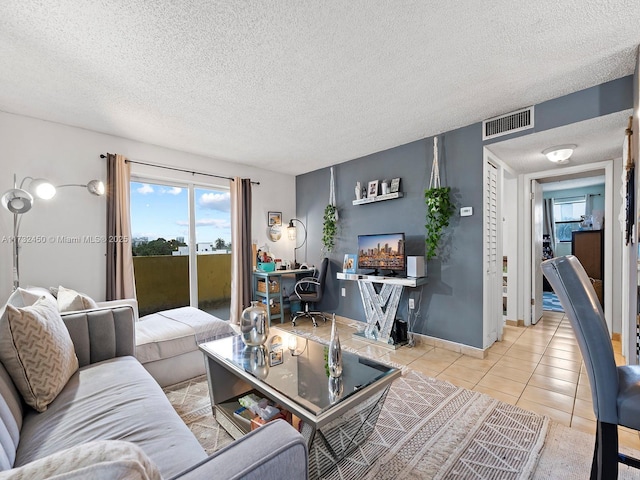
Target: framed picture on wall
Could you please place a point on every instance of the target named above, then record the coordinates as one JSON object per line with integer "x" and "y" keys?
{"x": 373, "y": 189}
{"x": 275, "y": 219}
{"x": 395, "y": 185}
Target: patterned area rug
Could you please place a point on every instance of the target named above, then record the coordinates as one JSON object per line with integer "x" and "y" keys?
{"x": 550, "y": 302}
{"x": 191, "y": 400}
{"x": 427, "y": 429}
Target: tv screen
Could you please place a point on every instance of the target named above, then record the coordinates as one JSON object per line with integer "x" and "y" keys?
{"x": 384, "y": 251}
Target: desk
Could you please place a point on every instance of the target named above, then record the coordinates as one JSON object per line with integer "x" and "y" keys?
{"x": 268, "y": 286}
{"x": 380, "y": 308}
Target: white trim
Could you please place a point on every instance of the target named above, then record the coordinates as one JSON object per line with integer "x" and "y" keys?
{"x": 166, "y": 181}
{"x": 193, "y": 249}
{"x": 525, "y": 214}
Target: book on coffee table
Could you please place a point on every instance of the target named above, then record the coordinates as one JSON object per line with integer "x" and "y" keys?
{"x": 244, "y": 414}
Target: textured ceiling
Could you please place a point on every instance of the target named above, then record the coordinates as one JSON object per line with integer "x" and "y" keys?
{"x": 296, "y": 86}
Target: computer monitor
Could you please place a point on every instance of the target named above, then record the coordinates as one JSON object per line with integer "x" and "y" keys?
{"x": 383, "y": 251}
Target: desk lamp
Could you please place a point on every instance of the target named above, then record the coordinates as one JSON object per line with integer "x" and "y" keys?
{"x": 292, "y": 233}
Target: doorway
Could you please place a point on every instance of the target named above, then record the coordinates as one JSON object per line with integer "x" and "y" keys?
{"x": 532, "y": 282}
{"x": 572, "y": 224}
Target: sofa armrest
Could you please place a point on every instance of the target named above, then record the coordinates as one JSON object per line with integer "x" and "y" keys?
{"x": 101, "y": 333}
{"x": 131, "y": 302}
{"x": 272, "y": 452}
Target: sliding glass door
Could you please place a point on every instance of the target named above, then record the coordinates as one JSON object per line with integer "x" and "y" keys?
{"x": 213, "y": 250}
{"x": 181, "y": 240}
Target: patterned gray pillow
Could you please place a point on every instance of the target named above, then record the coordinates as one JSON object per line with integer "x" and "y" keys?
{"x": 37, "y": 351}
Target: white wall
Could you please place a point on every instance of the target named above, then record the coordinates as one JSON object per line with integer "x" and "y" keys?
{"x": 64, "y": 154}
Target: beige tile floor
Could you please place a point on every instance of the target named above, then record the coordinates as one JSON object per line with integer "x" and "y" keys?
{"x": 538, "y": 368}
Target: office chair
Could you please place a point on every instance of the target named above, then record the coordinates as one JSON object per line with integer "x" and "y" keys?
{"x": 310, "y": 290}
{"x": 615, "y": 390}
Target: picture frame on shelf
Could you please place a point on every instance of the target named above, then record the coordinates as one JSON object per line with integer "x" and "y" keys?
{"x": 372, "y": 191}
{"x": 349, "y": 264}
{"x": 274, "y": 219}
{"x": 395, "y": 185}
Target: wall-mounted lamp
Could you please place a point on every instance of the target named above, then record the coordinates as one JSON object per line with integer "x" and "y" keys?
{"x": 292, "y": 233}
{"x": 559, "y": 154}
{"x": 19, "y": 200}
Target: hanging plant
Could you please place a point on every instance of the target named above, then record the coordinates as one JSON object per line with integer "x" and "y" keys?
{"x": 330, "y": 219}
{"x": 329, "y": 228}
{"x": 440, "y": 208}
{"x": 439, "y": 211}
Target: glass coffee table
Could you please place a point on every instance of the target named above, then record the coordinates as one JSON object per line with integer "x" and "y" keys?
{"x": 336, "y": 415}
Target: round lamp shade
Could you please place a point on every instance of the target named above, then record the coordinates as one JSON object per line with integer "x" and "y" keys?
{"x": 17, "y": 200}
{"x": 96, "y": 187}
{"x": 41, "y": 188}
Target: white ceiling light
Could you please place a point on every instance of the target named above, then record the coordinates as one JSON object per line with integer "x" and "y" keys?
{"x": 560, "y": 153}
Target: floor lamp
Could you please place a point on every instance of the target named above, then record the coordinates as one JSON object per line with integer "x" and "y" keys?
{"x": 19, "y": 200}
{"x": 292, "y": 233}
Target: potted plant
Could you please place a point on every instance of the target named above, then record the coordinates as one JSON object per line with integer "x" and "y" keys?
{"x": 329, "y": 228}
{"x": 439, "y": 206}
{"x": 439, "y": 211}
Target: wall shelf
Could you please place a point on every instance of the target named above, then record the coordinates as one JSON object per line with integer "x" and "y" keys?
{"x": 379, "y": 198}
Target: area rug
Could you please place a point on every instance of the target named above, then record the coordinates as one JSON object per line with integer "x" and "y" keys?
{"x": 427, "y": 429}
{"x": 551, "y": 303}
{"x": 567, "y": 455}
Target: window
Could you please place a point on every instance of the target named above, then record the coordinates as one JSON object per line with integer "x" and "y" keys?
{"x": 164, "y": 241}
{"x": 567, "y": 216}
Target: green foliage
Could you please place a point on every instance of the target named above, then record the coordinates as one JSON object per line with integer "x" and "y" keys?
{"x": 440, "y": 208}
{"x": 220, "y": 244}
{"x": 329, "y": 228}
{"x": 156, "y": 247}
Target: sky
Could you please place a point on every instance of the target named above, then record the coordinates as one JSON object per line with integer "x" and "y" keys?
{"x": 161, "y": 211}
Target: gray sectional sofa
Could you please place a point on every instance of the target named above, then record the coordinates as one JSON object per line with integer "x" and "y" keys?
{"x": 112, "y": 397}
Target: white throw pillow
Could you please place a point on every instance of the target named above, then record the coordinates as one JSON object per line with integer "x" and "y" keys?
{"x": 37, "y": 351}
{"x": 30, "y": 295}
{"x": 71, "y": 301}
{"x": 97, "y": 460}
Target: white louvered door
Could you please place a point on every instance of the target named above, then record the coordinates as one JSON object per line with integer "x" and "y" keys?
{"x": 492, "y": 255}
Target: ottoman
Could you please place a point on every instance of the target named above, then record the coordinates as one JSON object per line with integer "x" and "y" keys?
{"x": 167, "y": 342}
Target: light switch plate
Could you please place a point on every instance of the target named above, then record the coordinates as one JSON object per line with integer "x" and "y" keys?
{"x": 466, "y": 211}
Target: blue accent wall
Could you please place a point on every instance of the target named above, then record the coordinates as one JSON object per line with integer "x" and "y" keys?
{"x": 448, "y": 306}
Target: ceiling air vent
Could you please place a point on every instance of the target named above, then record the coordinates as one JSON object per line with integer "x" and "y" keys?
{"x": 509, "y": 123}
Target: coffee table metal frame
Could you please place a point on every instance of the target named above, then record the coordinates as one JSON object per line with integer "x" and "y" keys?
{"x": 330, "y": 436}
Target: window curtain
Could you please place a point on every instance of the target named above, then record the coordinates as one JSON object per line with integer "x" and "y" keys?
{"x": 120, "y": 279}
{"x": 241, "y": 261}
{"x": 548, "y": 227}
{"x": 588, "y": 204}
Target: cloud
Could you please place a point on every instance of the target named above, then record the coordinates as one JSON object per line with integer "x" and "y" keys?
{"x": 144, "y": 189}
{"x": 216, "y": 201}
{"x": 172, "y": 190}
{"x": 207, "y": 222}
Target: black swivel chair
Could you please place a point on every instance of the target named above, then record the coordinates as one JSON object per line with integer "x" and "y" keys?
{"x": 615, "y": 390}
{"x": 310, "y": 290}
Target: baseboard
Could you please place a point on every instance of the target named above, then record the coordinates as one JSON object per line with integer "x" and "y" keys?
{"x": 421, "y": 339}
{"x": 515, "y": 323}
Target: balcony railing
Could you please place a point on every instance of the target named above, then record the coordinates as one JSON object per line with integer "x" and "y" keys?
{"x": 162, "y": 282}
